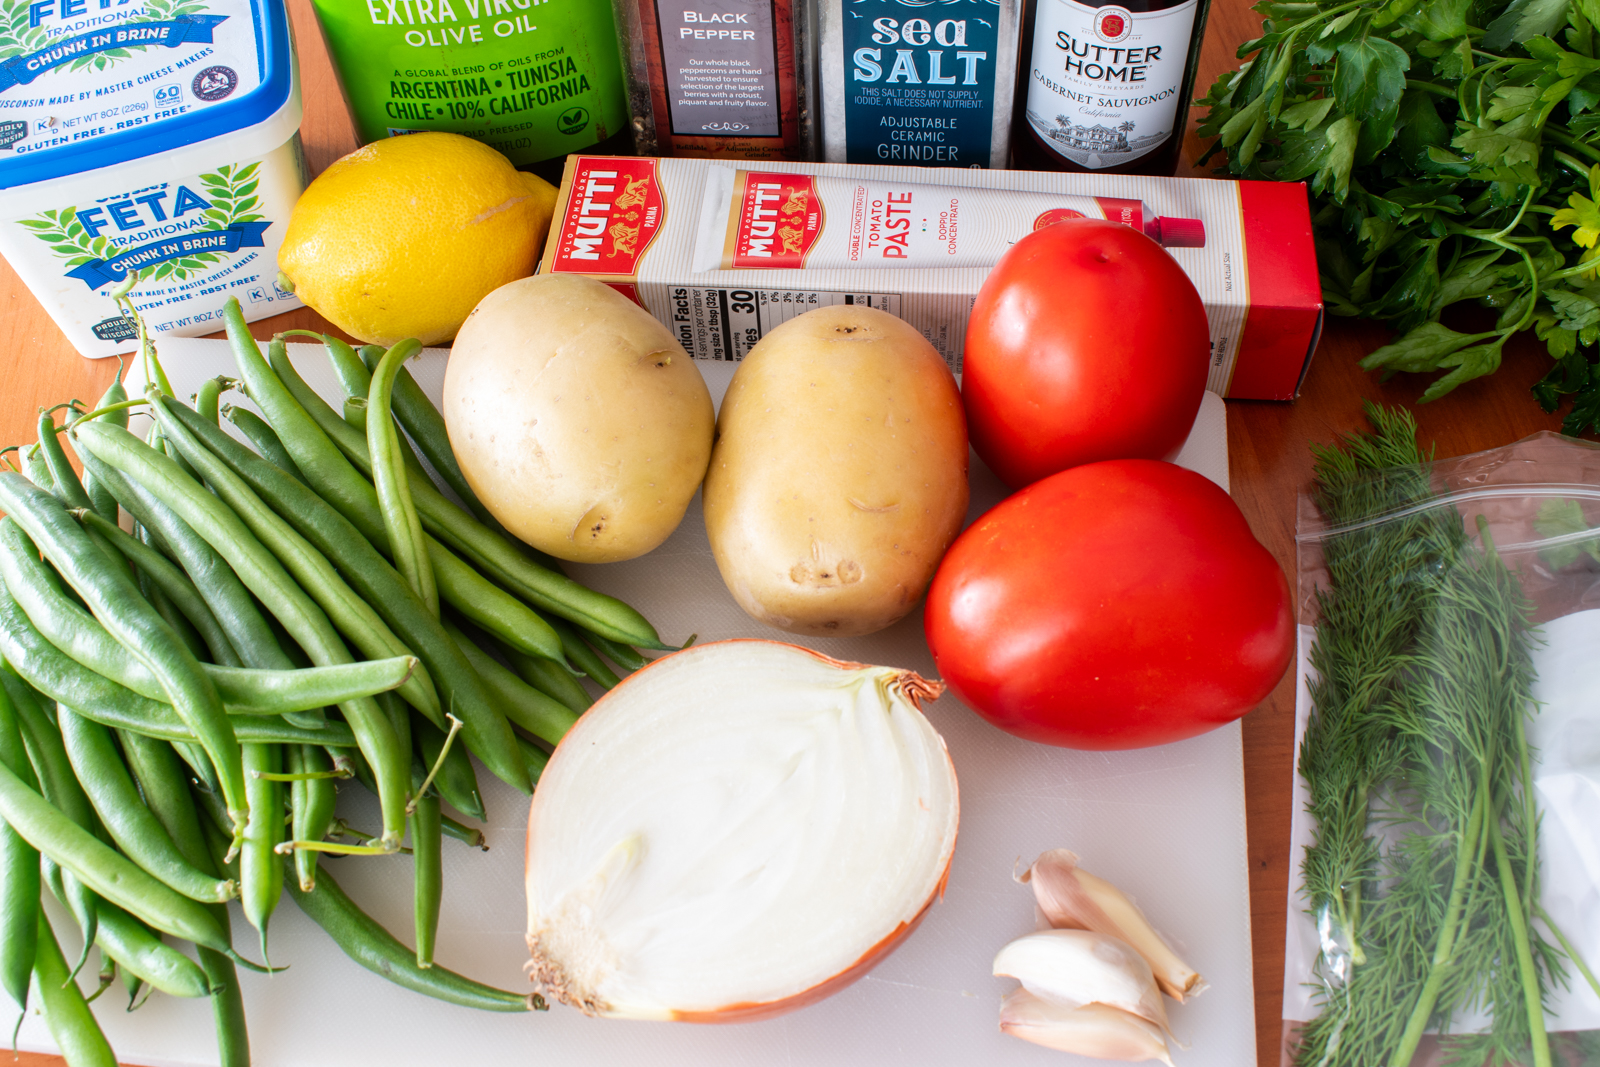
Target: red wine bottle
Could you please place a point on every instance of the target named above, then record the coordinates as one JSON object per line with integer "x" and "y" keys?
{"x": 1104, "y": 86}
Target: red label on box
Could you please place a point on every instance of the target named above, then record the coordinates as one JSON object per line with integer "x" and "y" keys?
{"x": 778, "y": 218}
{"x": 613, "y": 212}
{"x": 1127, "y": 212}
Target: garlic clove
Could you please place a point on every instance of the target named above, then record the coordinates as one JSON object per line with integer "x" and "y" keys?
{"x": 1070, "y": 897}
{"x": 1071, "y": 968}
{"x": 1096, "y": 1030}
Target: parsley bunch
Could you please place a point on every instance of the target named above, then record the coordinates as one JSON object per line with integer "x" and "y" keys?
{"x": 1453, "y": 154}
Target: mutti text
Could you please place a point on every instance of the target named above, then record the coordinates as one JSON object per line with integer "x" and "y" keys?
{"x": 940, "y": 67}
{"x": 592, "y": 214}
{"x": 1104, "y": 63}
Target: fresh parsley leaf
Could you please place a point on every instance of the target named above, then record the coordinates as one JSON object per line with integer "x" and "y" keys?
{"x": 1370, "y": 76}
{"x": 1561, "y": 518}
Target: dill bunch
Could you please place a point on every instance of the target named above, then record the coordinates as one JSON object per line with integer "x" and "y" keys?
{"x": 1422, "y": 875}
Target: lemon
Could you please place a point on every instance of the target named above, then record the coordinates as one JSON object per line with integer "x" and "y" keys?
{"x": 403, "y": 237}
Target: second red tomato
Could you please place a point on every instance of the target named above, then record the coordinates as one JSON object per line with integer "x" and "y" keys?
{"x": 1114, "y": 605}
{"x": 1087, "y": 342}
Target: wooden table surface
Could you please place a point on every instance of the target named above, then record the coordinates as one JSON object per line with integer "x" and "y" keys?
{"x": 1268, "y": 451}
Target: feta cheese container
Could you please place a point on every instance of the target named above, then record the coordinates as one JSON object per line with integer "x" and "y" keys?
{"x": 158, "y": 136}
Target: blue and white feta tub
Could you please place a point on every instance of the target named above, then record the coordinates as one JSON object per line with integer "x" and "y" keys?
{"x": 161, "y": 136}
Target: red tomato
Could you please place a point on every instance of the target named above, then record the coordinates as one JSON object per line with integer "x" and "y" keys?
{"x": 1114, "y": 605}
{"x": 1087, "y": 342}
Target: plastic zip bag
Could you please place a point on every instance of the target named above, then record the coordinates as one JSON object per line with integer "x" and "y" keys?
{"x": 1444, "y": 903}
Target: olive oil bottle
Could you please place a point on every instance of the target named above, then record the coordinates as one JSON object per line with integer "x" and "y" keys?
{"x": 533, "y": 79}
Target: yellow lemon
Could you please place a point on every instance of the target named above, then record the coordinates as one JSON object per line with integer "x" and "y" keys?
{"x": 402, "y": 238}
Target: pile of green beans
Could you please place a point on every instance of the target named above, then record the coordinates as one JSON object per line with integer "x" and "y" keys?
{"x": 179, "y": 704}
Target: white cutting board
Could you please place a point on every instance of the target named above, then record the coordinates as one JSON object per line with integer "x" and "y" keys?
{"x": 1166, "y": 824}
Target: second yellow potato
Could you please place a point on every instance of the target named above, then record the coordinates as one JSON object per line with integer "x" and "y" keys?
{"x": 839, "y": 475}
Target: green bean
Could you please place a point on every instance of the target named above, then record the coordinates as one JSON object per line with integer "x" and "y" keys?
{"x": 158, "y": 770}
{"x": 355, "y": 377}
{"x": 426, "y": 428}
{"x": 69, "y": 490}
{"x": 541, "y": 587}
{"x": 105, "y": 701}
{"x": 168, "y": 449}
{"x": 355, "y": 414}
{"x": 311, "y": 807}
{"x": 550, "y": 678}
{"x": 133, "y": 984}
{"x": 230, "y": 602}
{"x": 217, "y": 842}
{"x": 374, "y": 948}
{"x": 260, "y": 871}
{"x": 427, "y": 857}
{"x": 399, "y": 717}
{"x": 265, "y": 577}
{"x": 103, "y": 869}
{"x": 520, "y": 702}
{"x": 227, "y": 1008}
{"x": 19, "y": 873}
{"x": 456, "y": 781}
{"x": 205, "y": 775}
{"x": 141, "y": 953}
{"x": 165, "y": 575}
{"x": 166, "y": 789}
{"x": 487, "y": 732}
{"x": 537, "y": 758}
{"x": 38, "y": 471}
{"x": 624, "y": 656}
{"x": 467, "y": 835}
{"x": 353, "y": 616}
{"x": 111, "y": 595}
{"x": 48, "y": 768}
{"x": 161, "y": 777}
{"x": 104, "y": 504}
{"x": 393, "y": 483}
{"x": 66, "y": 1013}
{"x": 582, "y": 656}
{"x": 464, "y": 588}
{"x": 258, "y": 433}
{"x": 207, "y": 397}
{"x": 180, "y": 626}
{"x": 133, "y": 827}
{"x": 243, "y": 691}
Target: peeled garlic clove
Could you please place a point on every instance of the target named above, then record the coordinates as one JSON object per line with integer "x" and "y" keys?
{"x": 1096, "y": 1030}
{"x": 1071, "y": 897}
{"x": 1071, "y": 968}
{"x": 736, "y": 830}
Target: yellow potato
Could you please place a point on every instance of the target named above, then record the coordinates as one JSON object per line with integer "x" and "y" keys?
{"x": 577, "y": 418}
{"x": 839, "y": 475}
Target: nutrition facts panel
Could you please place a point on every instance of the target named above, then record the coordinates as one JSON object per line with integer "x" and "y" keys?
{"x": 724, "y": 324}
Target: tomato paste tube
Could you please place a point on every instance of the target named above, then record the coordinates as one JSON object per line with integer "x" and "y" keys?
{"x": 776, "y": 220}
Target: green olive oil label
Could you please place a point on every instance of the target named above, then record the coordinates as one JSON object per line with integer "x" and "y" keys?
{"x": 531, "y": 79}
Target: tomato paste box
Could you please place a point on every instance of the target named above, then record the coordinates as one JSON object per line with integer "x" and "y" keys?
{"x": 722, "y": 254}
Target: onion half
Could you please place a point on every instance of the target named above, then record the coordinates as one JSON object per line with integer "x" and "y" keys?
{"x": 735, "y": 831}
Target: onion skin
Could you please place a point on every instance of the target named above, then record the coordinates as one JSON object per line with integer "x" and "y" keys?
{"x": 746, "y": 1013}
{"x": 915, "y": 690}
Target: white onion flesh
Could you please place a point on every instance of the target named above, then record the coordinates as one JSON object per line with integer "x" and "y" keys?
{"x": 734, "y": 831}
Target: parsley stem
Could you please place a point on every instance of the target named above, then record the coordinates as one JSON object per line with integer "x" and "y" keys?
{"x": 1430, "y": 87}
{"x": 1570, "y": 163}
{"x": 1572, "y": 142}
